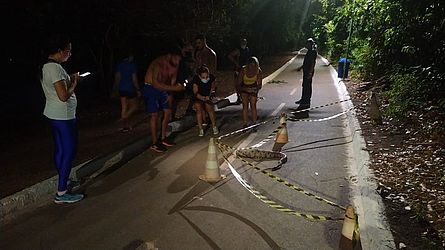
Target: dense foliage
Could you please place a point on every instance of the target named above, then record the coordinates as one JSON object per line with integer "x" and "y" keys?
{"x": 401, "y": 40}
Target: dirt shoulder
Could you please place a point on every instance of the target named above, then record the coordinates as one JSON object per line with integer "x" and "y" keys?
{"x": 408, "y": 162}
{"x": 26, "y": 157}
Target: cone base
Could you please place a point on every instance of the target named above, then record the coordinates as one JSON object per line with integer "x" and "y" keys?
{"x": 211, "y": 180}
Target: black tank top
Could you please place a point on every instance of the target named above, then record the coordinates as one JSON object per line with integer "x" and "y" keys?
{"x": 204, "y": 88}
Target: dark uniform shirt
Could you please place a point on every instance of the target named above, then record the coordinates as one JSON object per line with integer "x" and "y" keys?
{"x": 309, "y": 62}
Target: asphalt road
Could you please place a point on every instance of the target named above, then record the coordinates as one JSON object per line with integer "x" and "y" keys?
{"x": 159, "y": 196}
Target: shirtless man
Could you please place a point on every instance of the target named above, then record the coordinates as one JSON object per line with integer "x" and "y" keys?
{"x": 239, "y": 57}
{"x": 159, "y": 79}
{"x": 204, "y": 55}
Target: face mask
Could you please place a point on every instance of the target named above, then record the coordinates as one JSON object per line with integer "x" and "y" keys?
{"x": 205, "y": 80}
{"x": 243, "y": 46}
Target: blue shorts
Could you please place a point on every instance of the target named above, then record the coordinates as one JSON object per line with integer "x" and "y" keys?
{"x": 155, "y": 100}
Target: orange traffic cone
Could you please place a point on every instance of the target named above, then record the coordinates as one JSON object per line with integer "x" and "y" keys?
{"x": 283, "y": 119}
{"x": 211, "y": 173}
{"x": 282, "y": 136}
{"x": 350, "y": 234}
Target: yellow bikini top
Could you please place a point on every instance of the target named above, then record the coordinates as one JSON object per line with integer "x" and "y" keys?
{"x": 249, "y": 80}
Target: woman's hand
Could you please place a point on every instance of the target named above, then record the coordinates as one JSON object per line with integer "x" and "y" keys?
{"x": 75, "y": 77}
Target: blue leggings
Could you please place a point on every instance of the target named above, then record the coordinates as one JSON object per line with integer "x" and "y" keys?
{"x": 65, "y": 147}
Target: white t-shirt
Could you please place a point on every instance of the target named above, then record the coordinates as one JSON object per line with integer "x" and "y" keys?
{"x": 54, "y": 107}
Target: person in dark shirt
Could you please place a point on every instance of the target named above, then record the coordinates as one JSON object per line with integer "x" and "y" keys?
{"x": 204, "y": 91}
{"x": 239, "y": 57}
{"x": 308, "y": 72}
{"x": 127, "y": 81}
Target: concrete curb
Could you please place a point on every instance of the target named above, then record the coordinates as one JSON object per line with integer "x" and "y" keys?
{"x": 375, "y": 232}
{"x": 42, "y": 192}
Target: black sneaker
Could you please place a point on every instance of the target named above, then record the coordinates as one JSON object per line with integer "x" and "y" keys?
{"x": 167, "y": 142}
{"x": 303, "y": 107}
{"x": 158, "y": 147}
{"x": 298, "y": 102}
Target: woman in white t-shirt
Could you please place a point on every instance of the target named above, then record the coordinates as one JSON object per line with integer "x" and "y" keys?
{"x": 60, "y": 109}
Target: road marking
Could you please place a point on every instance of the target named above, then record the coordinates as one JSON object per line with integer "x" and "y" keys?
{"x": 277, "y": 110}
{"x": 293, "y": 91}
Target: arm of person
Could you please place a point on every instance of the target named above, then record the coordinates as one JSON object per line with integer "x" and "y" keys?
{"x": 240, "y": 78}
{"x": 212, "y": 62}
{"x": 65, "y": 90}
{"x": 233, "y": 57}
{"x": 260, "y": 80}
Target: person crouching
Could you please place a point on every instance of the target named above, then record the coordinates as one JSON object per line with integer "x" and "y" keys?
{"x": 204, "y": 86}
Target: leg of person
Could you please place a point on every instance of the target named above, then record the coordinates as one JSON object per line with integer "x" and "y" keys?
{"x": 65, "y": 138}
{"x": 58, "y": 153}
{"x": 245, "y": 99}
{"x": 307, "y": 92}
{"x": 124, "y": 107}
{"x": 132, "y": 105}
{"x": 166, "y": 102}
{"x": 151, "y": 97}
{"x": 172, "y": 105}
{"x": 199, "y": 108}
{"x": 253, "y": 109}
{"x": 204, "y": 117}
{"x": 210, "y": 108}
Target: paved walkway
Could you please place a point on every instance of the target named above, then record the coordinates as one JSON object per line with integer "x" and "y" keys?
{"x": 159, "y": 196}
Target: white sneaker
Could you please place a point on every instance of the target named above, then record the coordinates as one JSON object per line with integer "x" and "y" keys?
{"x": 215, "y": 130}
{"x": 201, "y": 133}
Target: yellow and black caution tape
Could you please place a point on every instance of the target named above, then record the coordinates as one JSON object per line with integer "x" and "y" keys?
{"x": 274, "y": 204}
{"x": 321, "y": 119}
{"x": 227, "y": 148}
{"x": 322, "y": 106}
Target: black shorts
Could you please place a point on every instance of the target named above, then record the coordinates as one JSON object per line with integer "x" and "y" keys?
{"x": 128, "y": 94}
{"x": 249, "y": 89}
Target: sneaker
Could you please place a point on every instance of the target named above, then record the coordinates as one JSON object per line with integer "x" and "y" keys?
{"x": 298, "y": 102}
{"x": 68, "y": 198}
{"x": 303, "y": 107}
{"x": 167, "y": 142}
{"x": 215, "y": 130}
{"x": 158, "y": 147}
{"x": 201, "y": 133}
